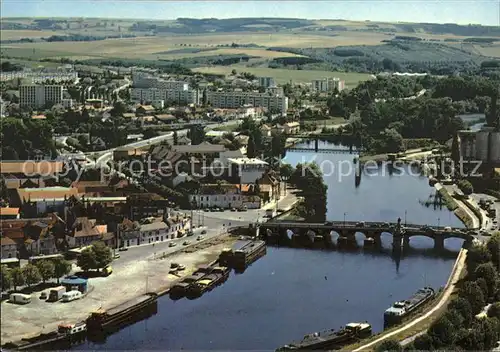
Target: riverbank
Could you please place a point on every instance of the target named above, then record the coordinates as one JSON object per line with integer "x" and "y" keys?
{"x": 423, "y": 322}
{"x": 132, "y": 280}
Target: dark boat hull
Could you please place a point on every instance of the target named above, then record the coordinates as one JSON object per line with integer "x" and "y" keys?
{"x": 391, "y": 320}
{"x": 195, "y": 291}
{"x": 328, "y": 344}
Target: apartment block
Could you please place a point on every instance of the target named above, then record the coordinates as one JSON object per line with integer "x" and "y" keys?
{"x": 328, "y": 84}
{"x": 142, "y": 80}
{"x": 266, "y": 82}
{"x": 175, "y": 96}
{"x": 237, "y": 99}
{"x": 39, "y": 96}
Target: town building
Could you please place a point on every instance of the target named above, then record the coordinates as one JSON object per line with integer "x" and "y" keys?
{"x": 200, "y": 150}
{"x": 41, "y": 76}
{"x": 84, "y": 232}
{"x": 246, "y": 170}
{"x": 9, "y": 213}
{"x": 225, "y": 196}
{"x": 40, "y": 96}
{"x": 46, "y": 199}
{"x": 266, "y": 82}
{"x": 8, "y": 248}
{"x": 291, "y": 127}
{"x": 328, "y": 84}
{"x": 237, "y": 98}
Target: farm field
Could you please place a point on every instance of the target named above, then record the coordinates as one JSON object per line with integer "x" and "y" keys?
{"x": 283, "y": 75}
{"x": 141, "y": 46}
{"x": 488, "y": 50}
{"x": 19, "y": 34}
{"x": 262, "y": 53}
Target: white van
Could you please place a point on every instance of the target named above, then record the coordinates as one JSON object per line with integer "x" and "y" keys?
{"x": 20, "y": 298}
{"x": 71, "y": 296}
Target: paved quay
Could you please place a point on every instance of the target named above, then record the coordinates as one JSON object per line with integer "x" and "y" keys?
{"x": 130, "y": 279}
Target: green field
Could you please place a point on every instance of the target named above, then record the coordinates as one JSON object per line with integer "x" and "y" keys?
{"x": 283, "y": 75}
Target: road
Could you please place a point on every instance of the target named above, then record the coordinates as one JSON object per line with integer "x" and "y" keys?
{"x": 450, "y": 287}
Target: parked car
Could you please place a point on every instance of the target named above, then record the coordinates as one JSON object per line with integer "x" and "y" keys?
{"x": 447, "y": 229}
{"x": 174, "y": 265}
{"x": 203, "y": 232}
{"x": 207, "y": 210}
{"x": 220, "y": 210}
{"x": 328, "y": 223}
{"x": 43, "y": 295}
{"x": 185, "y": 243}
{"x": 181, "y": 267}
{"x": 172, "y": 244}
{"x": 123, "y": 249}
{"x": 116, "y": 256}
{"x": 233, "y": 209}
{"x": 199, "y": 238}
{"x": 361, "y": 224}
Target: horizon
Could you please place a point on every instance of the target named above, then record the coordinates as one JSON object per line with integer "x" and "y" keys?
{"x": 462, "y": 12}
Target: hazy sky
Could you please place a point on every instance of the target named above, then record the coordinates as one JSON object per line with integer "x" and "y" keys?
{"x": 486, "y": 12}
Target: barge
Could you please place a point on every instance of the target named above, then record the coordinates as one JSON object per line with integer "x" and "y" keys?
{"x": 401, "y": 309}
{"x": 65, "y": 336}
{"x": 208, "y": 282}
{"x": 180, "y": 289}
{"x": 103, "y": 321}
{"x": 243, "y": 254}
{"x": 331, "y": 339}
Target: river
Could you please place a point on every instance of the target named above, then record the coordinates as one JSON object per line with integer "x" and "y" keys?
{"x": 291, "y": 292}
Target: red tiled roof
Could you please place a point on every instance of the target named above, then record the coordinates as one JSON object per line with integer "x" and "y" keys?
{"x": 9, "y": 211}
{"x": 4, "y": 241}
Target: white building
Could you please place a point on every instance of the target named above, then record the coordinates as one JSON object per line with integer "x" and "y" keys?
{"x": 144, "y": 80}
{"x": 249, "y": 170}
{"x": 328, "y": 84}
{"x": 40, "y": 76}
{"x": 172, "y": 95}
{"x": 236, "y": 99}
{"x": 38, "y": 96}
{"x": 224, "y": 196}
{"x": 266, "y": 82}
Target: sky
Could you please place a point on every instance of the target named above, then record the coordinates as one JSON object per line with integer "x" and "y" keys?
{"x": 485, "y": 12}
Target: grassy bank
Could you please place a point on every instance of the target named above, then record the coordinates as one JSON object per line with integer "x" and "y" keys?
{"x": 464, "y": 217}
{"x": 451, "y": 204}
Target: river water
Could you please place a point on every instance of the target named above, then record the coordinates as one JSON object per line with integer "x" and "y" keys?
{"x": 291, "y": 292}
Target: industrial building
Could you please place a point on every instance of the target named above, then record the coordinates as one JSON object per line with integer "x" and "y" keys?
{"x": 328, "y": 84}
{"x": 482, "y": 145}
{"x": 39, "y": 96}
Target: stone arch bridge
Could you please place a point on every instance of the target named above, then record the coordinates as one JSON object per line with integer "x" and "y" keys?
{"x": 401, "y": 234}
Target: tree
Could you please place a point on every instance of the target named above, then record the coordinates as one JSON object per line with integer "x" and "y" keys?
{"x": 102, "y": 254}
{"x": 176, "y": 138}
{"x": 31, "y": 274}
{"x": 86, "y": 260}
{"x": 18, "y": 278}
{"x": 423, "y": 343}
{"x": 309, "y": 179}
{"x": 463, "y": 307}
{"x": 6, "y": 277}
{"x": 455, "y": 150}
{"x": 251, "y": 148}
{"x": 465, "y": 186}
{"x": 441, "y": 332}
{"x": 286, "y": 170}
{"x": 46, "y": 269}
{"x": 494, "y": 310}
{"x": 489, "y": 273}
{"x": 493, "y": 247}
{"x": 389, "y": 346}
{"x": 61, "y": 268}
{"x": 474, "y": 295}
{"x": 477, "y": 254}
{"x": 454, "y": 317}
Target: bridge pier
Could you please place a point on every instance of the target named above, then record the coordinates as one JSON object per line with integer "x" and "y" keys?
{"x": 316, "y": 145}
{"x": 439, "y": 242}
{"x": 406, "y": 242}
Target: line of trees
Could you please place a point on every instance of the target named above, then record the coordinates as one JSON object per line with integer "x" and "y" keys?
{"x": 95, "y": 257}
{"x": 32, "y": 274}
{"x": 458, "y": 328}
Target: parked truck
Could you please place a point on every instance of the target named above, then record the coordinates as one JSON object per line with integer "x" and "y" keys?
{"x": 56, "y": 294}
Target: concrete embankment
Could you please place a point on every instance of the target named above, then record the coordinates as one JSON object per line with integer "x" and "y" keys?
{"x": 130, "y": 281}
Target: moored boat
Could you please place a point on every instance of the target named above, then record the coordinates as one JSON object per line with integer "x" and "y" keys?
{"x": 331, "y": 339}
{"x": 401, "y": 309}
{"x": 101, "y": 319}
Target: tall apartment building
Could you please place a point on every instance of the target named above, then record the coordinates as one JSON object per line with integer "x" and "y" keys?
{"x": 39, "y": 96}
{"x": 266, "y": 82}
{"x": 328, "y": 84}
{"x": 176, "y": 96}
{"x": 236, "y": 99}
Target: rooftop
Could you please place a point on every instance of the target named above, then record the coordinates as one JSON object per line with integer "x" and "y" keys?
{"x": 154, "y": 226}
{"x": 9, "y": 211}
{"x": 247, "y": 161}
{"x": 200, "y": 148}
{"x": 27, "y": 167}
